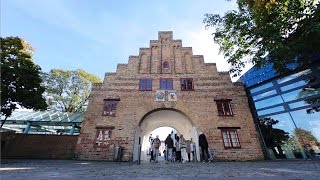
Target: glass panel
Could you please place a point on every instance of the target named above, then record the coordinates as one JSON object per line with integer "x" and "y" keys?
{"x": 189, "y": 86}
{"x": 259, "y": 88}
{"x": 226, "y": 139}
{"x": 306, "y": 102}
{"x": 149, "y": 84}
{"x": 183, "y": 84}
{"x": 294, "y": 85}
{"x": 265, "y": 94}
{"x": 220, "y": 108}
{"x": 163, "y": 84}
{"x": 142, "y": 84}
{"x": 268, "y": 102}
{"x": 226, "y": 108}
{"x": 279, "y": 135}
{"x": 300, "y": 93}
{"x": 308, "y": 130}
{"x": 169, "y": 84}
{"x": 271, "y": 110}
{"x": 293, "y": 76}
{"x": 234, "y": 138}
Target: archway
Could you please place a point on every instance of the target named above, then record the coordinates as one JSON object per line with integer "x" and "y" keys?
{"x": 160, "y": 118}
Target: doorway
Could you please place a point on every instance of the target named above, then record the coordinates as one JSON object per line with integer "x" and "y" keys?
{"x": 162, "y": 118}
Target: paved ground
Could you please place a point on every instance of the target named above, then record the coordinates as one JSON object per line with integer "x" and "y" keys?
{"x": 72, "y": 169}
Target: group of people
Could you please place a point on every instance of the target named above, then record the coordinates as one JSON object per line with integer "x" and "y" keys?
{"x": 178, "y": 149}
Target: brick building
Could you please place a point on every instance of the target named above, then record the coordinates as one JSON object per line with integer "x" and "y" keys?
{"x": 166, "y": 85}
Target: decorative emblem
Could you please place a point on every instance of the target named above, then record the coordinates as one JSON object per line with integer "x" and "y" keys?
{"x": 172, "y": 95}
{"x": 160, "y": 95}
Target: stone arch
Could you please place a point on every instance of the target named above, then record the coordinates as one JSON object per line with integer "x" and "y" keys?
{"x": 161, "y": 117}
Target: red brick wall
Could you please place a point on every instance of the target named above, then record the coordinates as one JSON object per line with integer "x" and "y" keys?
{"x": 35, "y": 146}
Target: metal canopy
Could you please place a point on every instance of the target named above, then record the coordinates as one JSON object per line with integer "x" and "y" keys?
{"x": 44, "y": 122}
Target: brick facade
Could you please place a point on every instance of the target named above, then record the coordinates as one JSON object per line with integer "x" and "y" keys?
{"x": 100, "y": 133}
{"x": 37, "y": 146}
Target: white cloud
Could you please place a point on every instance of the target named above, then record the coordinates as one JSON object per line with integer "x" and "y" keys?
{"x": 315, "y": 128}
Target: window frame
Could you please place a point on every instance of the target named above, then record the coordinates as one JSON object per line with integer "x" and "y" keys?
{"x": 166, "y": 79}
{"x": 186, "y": 84}
{"x": 145, "y": 84}
{"x": 228, "y": 130}
{"x": 221, "y": 107}
{"x": 110, "y": 111}
{"x": 165, "y": 65}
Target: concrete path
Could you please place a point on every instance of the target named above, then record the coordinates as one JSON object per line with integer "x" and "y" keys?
{"x": 73, "y": 169}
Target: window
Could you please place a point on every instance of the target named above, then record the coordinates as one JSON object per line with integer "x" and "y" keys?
{"x": 186, "y": 84}
{"x": 103, "y": 136}
{"x": 166, "y": 84}
{"x": 224, "y": 107}
{"x": 165, "y": 65}
{"x": 145, "y": 85}
{"x": 110, "y": 107}
{"x": 230, "y": 138}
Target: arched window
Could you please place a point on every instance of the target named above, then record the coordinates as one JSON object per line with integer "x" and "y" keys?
{"x": 165, "y": 64}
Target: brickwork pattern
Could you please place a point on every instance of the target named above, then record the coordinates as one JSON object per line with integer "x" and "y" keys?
{"x": 35, "y": 146}
{"x": 198, "y": 105}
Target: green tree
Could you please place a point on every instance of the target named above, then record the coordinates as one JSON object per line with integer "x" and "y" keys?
{"x": 20, "y": 77}
{"x": 68, "y": 91}
{"x": 306, "y": 135}
{"x": 273, "y": 137}
{"x": 285, "y": 31}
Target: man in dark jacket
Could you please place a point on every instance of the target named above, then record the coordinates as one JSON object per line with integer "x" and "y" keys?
{"x": 169, "y": 143}
{"x": 203, "y": 143}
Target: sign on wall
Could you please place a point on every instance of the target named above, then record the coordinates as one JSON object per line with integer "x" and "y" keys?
{"x": 172, "y": 95}
{"x": 103, "y": 137}
{"x": 160, "y": 95}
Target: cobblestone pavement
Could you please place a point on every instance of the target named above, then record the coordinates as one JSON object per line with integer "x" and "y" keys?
{"x": 73, "y": 169}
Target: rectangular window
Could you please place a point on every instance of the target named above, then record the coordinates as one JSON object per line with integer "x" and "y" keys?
{"x": 110, "y": 107}
{"x": 103, "y": 137}
{"x": 186, "y": 84}
{"x": 224, "y": 107}
{"x": 166, "y": 84}
{"x": 145, "y": 85}
{"x": 230, "y": 138}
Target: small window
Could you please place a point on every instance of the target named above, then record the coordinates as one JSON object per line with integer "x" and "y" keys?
{"x": 224, "y": 107}
{"x": 186, "y": 84}
{"x": 110, "y": 107}
{"x": 166, "y": 84}
{"x": 165, "y": 65}
{"x": 145, "y": 85}
{"x": 230, "y": 138}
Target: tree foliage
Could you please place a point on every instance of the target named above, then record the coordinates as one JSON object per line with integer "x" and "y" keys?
{"x": 273, "y": 137}
{"x": 286, "y": 31}
{"x": 68, "y": 91}
{"x": 20, "y": 77}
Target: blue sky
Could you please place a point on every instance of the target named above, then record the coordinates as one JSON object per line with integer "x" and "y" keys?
{"x": 97, "y": 35}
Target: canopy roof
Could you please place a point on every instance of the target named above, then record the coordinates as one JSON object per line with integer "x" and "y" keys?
{"x": 43, "y": 122}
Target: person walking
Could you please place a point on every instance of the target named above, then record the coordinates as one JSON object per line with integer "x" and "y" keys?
{"x": 183, "y": 146}
{"x": 192, "y": 148}
{"x": 188, "y": 149}
{"x": 156, "y": 145}
{"x": 203, "y": 143}
{"x": 151, "y": 148}
{"x": 169, "y": 143}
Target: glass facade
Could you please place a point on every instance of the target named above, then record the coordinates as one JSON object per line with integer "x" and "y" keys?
{"x": 287, "y": 111}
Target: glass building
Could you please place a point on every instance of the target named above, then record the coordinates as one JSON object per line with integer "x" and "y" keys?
{"x": 286, "y": 110}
